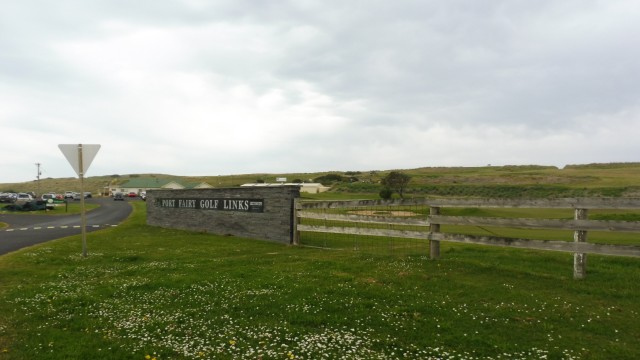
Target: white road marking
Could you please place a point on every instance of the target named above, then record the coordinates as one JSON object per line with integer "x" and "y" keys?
{"x": 57, "y": 227}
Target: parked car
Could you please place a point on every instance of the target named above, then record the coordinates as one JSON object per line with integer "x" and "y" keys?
{"x": 24, "y": 197}
{"x": 46, "y": 197}
{"x": 118, "y": 196}
{"x": 143, "y": 195}
{"x": 69, "y": 194}
{"x": 76, "y": 196}
{"x": 8, "y": 197}
{"x": 132, "y": 194}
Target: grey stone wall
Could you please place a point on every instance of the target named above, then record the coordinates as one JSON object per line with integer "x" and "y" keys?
{"x": 227, "y": 211}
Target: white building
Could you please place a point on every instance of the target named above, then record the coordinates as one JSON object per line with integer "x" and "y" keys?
{"x": 311, "y": 188}
{"x": 139, "y": 185}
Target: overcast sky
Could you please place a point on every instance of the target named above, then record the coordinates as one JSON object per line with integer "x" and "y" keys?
{"x": 206, "y": 87}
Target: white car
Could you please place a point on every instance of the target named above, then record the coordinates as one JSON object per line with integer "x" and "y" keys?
{"x": 48, "y": 196}
{"x": 24, "y": 197}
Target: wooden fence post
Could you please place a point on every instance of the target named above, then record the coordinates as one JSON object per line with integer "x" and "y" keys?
{"x": 580, "y": 259}
{"x": 434, "y": 245}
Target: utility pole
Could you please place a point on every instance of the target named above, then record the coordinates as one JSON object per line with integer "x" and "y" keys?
{"x": 38, "y": 178}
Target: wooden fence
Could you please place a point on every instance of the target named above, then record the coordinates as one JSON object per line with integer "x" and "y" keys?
{"x": 429, "y": 227}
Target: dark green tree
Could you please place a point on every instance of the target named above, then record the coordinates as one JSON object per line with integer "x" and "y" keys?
{"x": 329, "y": 179}
{"x": 396, "y": 181}
{"x": 385, "y": 193}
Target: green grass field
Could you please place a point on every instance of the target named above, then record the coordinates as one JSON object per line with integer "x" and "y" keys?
{"x": 146, "y": 292}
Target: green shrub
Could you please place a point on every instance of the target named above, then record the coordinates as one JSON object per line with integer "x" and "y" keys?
{"x": 329, "y": 179}
{"x": 386, "y": 193}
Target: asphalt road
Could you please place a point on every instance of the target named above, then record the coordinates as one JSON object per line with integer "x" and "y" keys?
{"x": 26, "y": 230}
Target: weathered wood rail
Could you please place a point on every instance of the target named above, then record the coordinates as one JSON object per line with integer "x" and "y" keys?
{"x": 580, "y": 224}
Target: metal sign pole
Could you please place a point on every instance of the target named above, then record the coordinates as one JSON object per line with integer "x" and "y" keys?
{"x": 82, "y": 214}
{"x": 80, "y": 157}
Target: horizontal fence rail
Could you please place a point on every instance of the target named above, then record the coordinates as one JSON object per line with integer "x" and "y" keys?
{"x": 407, "y": 234}
{"x": 565, "y": 246}
{"x": 427, "y": 227}
{"x": 373, "y": 219}
{"x": 561, "y": 203}
{"x": 594, "y": 225}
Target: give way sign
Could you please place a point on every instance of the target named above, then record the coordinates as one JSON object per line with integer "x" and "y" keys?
{"x": 80, "y": 156}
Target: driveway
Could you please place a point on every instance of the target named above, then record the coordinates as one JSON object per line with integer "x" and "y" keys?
{"x": 26, "y": 230}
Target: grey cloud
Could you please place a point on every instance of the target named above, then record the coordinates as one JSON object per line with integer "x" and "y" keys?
{"x": 505, "y": 64}
{"x": 392, "y": 73}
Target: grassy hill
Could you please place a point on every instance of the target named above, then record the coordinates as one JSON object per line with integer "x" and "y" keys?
{"x": 614, "y": 179}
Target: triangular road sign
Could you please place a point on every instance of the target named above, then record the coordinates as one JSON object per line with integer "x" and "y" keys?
{"x": 72, "y": 153}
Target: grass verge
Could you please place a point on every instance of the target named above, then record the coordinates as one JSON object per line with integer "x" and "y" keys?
{"x": 147, "y": 292}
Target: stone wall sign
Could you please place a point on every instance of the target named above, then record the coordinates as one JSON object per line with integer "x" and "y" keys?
{"x": 264, "y": 213}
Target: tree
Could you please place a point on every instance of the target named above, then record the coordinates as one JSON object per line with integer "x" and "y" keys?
{"x": 385, "y": 193}
{"x": 396, "y": 181}
{"x": 329, "y": 179}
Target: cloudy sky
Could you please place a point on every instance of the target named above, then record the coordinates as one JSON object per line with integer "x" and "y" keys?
{"x": 217, "y": 87}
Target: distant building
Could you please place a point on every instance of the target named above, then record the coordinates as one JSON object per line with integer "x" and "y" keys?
{"x": 139, "y": 185}
{"x": 312, "y": 188}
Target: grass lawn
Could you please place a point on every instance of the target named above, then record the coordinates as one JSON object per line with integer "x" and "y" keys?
{"x": 146, "y": 292}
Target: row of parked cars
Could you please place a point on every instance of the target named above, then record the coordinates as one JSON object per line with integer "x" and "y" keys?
{"x": 76, "y": 195}
{"x": 15, "y": 197}
{"x": 121, "y": 196}
{"x": 30, "y": 196}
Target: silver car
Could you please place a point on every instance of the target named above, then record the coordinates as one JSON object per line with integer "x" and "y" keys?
{"x": 23, "y": 197}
